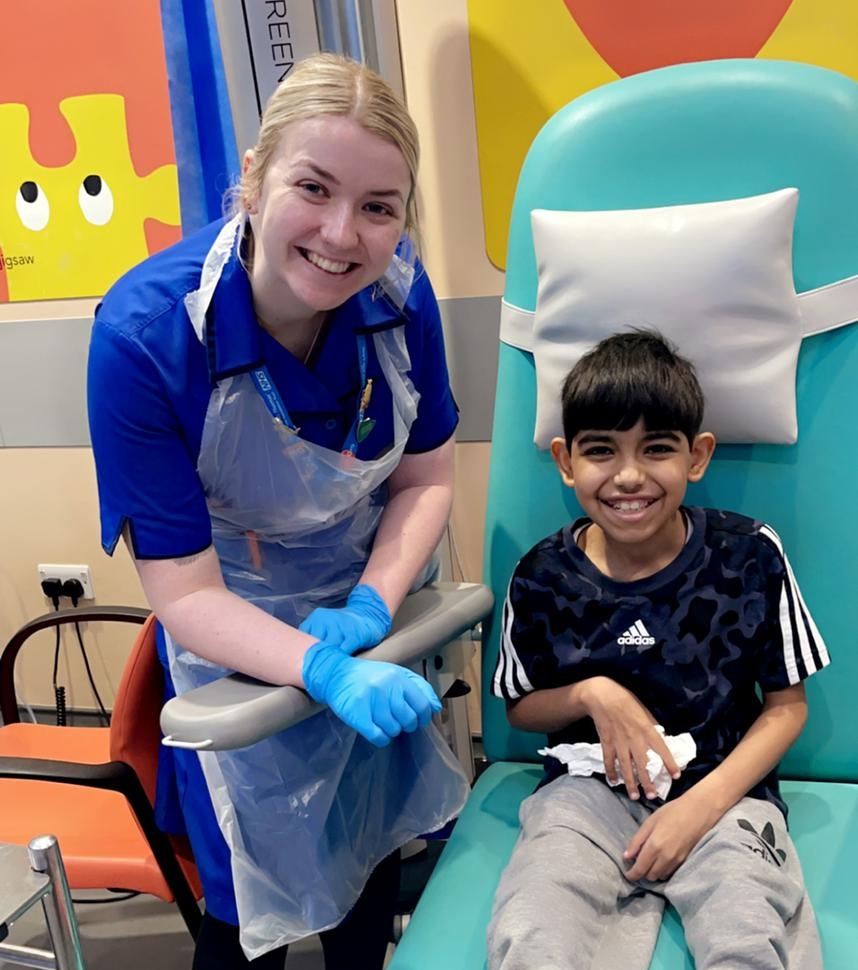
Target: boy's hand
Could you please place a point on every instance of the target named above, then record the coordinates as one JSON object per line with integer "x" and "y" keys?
{"x": 627, "y": 731}
{"x": 666, "y": 838}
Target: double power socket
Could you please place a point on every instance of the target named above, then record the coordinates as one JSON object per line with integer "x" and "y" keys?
{"x": 62, "y": 573}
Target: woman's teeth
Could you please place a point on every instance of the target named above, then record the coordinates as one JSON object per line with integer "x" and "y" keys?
{"x": 328, "y": 265}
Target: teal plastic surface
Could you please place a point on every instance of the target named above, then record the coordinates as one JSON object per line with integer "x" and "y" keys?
{"x": 690, "y": 133}
{"x": 672, "y": 136}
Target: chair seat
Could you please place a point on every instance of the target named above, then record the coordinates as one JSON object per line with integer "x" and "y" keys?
{"x": 822, "y": 816}
{"x": 114, "y": 853}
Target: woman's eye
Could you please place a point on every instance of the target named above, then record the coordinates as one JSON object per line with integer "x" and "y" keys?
{"x": 312, "y": 188}
{"x": 95, "y": 200}
{"x": 379, "y": 209}
{"x": 32, "y": 205}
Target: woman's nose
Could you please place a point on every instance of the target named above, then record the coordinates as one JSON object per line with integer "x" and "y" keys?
{"x": 339, "y": 227}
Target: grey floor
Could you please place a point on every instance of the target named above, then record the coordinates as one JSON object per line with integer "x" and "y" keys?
{"x": 143, "y": 933}
{"x": 136, "y": 934}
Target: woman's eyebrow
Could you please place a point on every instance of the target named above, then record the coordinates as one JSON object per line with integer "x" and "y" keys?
{"x": 330, "y": 177}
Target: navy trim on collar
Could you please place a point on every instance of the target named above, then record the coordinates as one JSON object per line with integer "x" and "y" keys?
{"x": 236, "y": 344}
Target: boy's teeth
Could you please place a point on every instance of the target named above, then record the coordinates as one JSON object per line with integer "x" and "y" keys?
{"x": 630, "y": 506}
{"x": 329, "y": 265}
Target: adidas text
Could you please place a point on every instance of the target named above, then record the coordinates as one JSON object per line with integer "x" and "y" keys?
{"x": 637, "y": 635}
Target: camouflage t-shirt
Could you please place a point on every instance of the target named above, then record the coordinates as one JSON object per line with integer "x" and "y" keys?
{"x": 693, "y": 642}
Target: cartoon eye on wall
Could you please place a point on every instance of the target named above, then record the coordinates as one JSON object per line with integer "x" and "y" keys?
{"x": 32, "y": 205}
{"x": 95, "y": 200}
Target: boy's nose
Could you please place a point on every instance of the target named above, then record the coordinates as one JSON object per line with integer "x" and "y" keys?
{"x": 339, "y": 228}
{"x": 629, "y": 477}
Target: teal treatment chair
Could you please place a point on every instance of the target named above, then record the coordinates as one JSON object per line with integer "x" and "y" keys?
{"x": 690, "y": 133}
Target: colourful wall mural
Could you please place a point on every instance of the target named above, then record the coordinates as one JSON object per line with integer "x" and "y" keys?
{"x": 88, "y": 184}
{"x": 530, "y": 58}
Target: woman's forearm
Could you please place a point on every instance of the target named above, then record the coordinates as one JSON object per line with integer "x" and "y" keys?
{"x": 200, "y": 613}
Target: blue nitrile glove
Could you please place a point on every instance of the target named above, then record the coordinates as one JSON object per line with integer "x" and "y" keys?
{"x": 379, "y": 700}
{"x": 363, "y": 622}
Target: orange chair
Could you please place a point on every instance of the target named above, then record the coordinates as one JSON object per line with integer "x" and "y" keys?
{"x": 103, "y": 817}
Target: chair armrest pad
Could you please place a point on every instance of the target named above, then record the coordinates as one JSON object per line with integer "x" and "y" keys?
{"x": 238, "y": 710}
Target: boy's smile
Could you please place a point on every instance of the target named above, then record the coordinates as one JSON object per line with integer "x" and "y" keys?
{"x": 631, "y": 484}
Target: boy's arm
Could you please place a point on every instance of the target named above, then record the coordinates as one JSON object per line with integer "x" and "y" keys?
{"x": 667, "y": 837}
{"x": 625, "y": 727}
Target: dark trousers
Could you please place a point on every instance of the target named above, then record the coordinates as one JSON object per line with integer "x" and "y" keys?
{"x": 360, "y": 939}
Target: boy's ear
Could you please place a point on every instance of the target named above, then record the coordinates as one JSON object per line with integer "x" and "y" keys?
{"x": 563, "y": 461}
{"x": 701, "y": 455}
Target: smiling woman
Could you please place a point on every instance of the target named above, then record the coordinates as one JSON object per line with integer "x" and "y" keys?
{"x": 286, "y": 378}
{"x": 326, "y": 221}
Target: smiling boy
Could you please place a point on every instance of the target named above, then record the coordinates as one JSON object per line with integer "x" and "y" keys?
{"x": 645, "y": 613}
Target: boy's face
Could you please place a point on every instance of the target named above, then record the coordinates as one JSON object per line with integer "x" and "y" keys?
{"x": 631, "y": 484}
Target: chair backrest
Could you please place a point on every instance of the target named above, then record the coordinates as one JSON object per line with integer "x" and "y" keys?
{"x": 697, "y": 133}
{"x": 135, "y": 733}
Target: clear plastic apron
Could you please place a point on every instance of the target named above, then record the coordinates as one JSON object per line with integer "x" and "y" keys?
{"x": 309, "y": 812}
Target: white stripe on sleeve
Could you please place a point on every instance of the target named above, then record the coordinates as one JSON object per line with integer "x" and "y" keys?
{"x": 799, "y": 632}
{"x": 510, "y": 680}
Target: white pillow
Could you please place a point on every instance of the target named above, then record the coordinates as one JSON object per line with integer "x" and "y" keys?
{"x": 715, "y": 278}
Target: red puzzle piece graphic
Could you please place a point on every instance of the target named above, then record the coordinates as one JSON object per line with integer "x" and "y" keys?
{"x": 633, "y": 36}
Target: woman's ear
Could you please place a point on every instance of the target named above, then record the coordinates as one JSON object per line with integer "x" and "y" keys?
{"x": 563, "y": 461}
{"x": 701, "y": 454}
{"x": 250, "y": 204}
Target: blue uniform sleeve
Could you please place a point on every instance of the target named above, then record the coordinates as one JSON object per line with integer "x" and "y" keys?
{"x": 437, "y": 412}
{"x": 145, "y": 470}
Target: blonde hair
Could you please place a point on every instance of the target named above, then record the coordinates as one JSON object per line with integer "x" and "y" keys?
{"x": 329, "y": 84}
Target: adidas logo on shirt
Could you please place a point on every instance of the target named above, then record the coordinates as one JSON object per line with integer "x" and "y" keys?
{"x": 636, "y": 636}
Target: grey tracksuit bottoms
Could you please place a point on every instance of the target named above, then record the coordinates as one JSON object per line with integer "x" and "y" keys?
{"x": 563, "y": 902}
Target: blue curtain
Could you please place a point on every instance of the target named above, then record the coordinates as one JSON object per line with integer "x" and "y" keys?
{"x": 206, "y": 151}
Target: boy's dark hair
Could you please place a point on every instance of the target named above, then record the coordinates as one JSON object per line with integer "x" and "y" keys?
{"x": 629, "y": 376}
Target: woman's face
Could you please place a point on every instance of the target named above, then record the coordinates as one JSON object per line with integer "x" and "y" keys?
{"x": 327, "y": 220}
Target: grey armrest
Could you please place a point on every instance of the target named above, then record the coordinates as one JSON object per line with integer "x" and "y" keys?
{"x": 238, "y": 710}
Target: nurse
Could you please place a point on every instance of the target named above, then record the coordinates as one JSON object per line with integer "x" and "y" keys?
{"x": 272, "y": 426}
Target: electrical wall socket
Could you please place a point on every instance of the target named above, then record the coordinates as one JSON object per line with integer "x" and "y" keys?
{"x": 62, "y": 573}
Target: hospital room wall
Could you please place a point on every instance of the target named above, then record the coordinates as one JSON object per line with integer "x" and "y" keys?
{"x": 48, "y": 495}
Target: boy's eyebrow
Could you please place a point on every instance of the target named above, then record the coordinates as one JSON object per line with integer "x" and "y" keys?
{"x": 593, "y": 437}
{"x": 673, "y": 435}
{"x": 600, "y": 437}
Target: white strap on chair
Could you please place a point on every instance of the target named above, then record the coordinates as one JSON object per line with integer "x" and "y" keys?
{"x": 829, "y": 307}
{"x": 825, "y": 308}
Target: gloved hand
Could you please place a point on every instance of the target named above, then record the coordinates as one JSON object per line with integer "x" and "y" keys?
{"x": 379, "y": 700}
{"x": 363, "y": 622}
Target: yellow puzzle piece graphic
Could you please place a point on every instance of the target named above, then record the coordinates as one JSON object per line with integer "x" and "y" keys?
{"x": 71, "y": 231}
{"x": 530, "y": 59}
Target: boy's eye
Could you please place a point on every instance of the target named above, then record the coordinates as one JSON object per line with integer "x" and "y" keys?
{"x": 661, "y": 448}
{"x": 596, "y": 451}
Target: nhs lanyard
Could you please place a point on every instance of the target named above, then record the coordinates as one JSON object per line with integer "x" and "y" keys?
{"x": 361, "y": 426}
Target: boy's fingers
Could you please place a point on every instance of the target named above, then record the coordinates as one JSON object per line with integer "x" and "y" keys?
{"x": 668, "y": 759}
{"x": 644, "y": 780}
{"x": 634, "y": 846}
{"x": 641, "y": 865}
{"x": 609, "y": 758}
{"x": 628, "y": 772}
